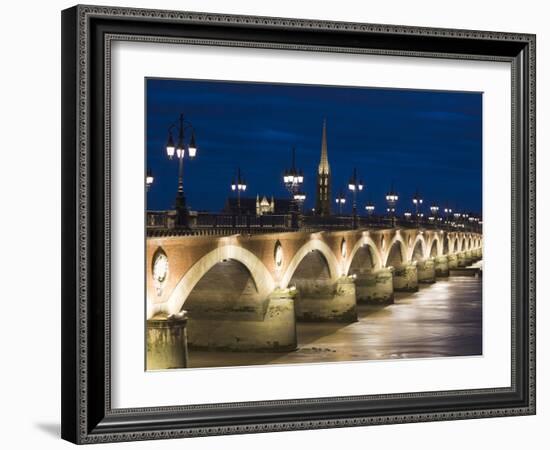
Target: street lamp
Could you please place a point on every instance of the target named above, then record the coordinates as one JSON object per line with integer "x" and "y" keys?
{"x": 300, "y": 198}
{"x": 293, "y": 180}
{"x": 370, "y": 209}
{"x": 407, "y": 215}
{"x": 434, "y": 209}
{"x": 355, "y": 185}
{"x": 238, "y": 185}
{"x": 181, "y": 126}
{"x": 391, "y": 199}
{"x": 340, "y": 201}
{"x": 417, "y": 201}
{"x": 149, "y": 178}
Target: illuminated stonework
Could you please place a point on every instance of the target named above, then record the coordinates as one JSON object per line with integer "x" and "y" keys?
{"x": 160, "y": 270}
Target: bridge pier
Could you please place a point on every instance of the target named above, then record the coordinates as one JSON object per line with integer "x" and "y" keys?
{"x": 374, "y": 286}
{"x": 464, "y": 260}
{"x": 273, "y": 330}
{"x": 452, "y": 261}
{"x": 326, "y": 301}
{"x": 426, "y": 271}
{"x": 167, "y": 342}
{"x": 405, "y": 278}
{"x": 442, "y": 266}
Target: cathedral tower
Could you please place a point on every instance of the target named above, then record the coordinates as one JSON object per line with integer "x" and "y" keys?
{"x": 322, "y": 205}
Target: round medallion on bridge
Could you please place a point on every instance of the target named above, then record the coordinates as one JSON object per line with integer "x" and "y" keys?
{"x": 278, "y": 255}
{"x": 160, "y": 269}
{"x": 343, "y": 248}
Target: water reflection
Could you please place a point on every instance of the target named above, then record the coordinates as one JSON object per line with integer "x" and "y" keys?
{"x": 442, "y": 319}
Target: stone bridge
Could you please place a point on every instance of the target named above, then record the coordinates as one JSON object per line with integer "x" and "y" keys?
{"x": 245, "y": 292}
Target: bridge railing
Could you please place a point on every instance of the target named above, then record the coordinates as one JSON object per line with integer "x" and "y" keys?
{"x": 162, "y": 223}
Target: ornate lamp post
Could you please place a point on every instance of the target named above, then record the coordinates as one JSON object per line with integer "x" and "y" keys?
{"x": 434, "y": 209}
{"x": 238, "y": 185}
{"x": 355, "y": 185}
{"x": 340, "y": 201}
{"x": 299, "y": 199}
{"x": 391, "y": 199}
{"x": 370, "y": 209}
{"x": 417, "y": 202}
{"x": 456, "y": 216}
{"x": 448, "y": 213}
{"x": 407, "y": 216}
{"x": 149, "y": 179}
{"x": 182, "y": 126}
{"x": 293, "y": 180}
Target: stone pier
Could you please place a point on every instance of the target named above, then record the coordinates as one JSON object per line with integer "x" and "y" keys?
{"x": 326, "y": 301}
{"x": 452, "y": 261}
{"x": 272, "y": 330}
{"x": 442, "y": 266}
{"x": 462, "y": 262}
{"x": 405, "y": 278}
{"x": 426, "y": 271}
{"x": 375, "y": 286}
{"x": 167, "y": 342}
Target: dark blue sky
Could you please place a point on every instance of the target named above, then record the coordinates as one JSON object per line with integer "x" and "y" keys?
{"x": 426, "y": 139}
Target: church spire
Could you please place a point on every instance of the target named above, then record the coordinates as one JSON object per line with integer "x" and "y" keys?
{"x": 324, "y": 167}
{"x": 322, "y": 204}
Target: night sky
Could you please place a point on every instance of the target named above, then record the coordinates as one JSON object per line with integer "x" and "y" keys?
{"x": 426, "y": 139}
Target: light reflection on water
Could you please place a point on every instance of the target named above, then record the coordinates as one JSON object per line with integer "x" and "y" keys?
{"x": 442, "y": 319}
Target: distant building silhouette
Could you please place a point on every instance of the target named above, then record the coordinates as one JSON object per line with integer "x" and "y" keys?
{"x": 258, "y": 206}
{"x": 323, "y": 196}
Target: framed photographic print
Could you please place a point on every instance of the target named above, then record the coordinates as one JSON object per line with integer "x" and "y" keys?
{"x": 281, "y": 224}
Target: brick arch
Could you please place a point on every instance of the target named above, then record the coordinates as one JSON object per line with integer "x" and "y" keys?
{"x": 434, "y": 242}
{"x": 259, "y": 272}
{"x": 364, "y": 241}
{"x": 403, "y": 247}
{"x": 419, "y": 239}
{"x": 312, "y": 245}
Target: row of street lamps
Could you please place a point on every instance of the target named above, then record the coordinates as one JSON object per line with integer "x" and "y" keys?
{"x": 293, "y": 180}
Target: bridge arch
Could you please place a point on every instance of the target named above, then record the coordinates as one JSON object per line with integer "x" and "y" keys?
{"x": 447, "y": 242}
{"x": 455, "y": 245}
{"x": 365, "y": 243}
{"x": 396, "y": 251}
{"x": 434, "y": 247}
{"x": 260, "y": 274}
{"x": 417, "y": 250}
{"x": 311, "y": 246}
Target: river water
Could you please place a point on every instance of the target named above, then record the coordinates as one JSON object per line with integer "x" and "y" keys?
{"x": 441, "y": 319}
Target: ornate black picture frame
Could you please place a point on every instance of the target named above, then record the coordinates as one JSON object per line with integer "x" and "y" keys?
{"x": 87, "y": 414}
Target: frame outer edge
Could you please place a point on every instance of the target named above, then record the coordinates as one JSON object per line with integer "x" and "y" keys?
{"x": 69, "y": 238}
{"x": 75, "y": 237}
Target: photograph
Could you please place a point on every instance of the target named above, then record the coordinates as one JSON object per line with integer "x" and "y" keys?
{"x": 307, "y": 224}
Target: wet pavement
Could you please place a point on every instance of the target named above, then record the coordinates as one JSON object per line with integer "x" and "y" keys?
{"x": 441, "y": 319}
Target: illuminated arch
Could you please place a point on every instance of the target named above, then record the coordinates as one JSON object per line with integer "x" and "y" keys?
{"x": 434, "y": 241}
{"x": 312, "y": 245}
{"x": 365, "y": 240}
{"x": 419, "y": 238}
{"x": 396, "y": 239}
{"x": 259, "y": 273}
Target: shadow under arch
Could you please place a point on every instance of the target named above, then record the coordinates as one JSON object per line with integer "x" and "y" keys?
{"x": 311, "y": 246}
{"x": 227, "y": 286}
{"x": 434, "y": 248}
{"x": 397, "y": 253}
{"x": 418, "y": 249}
{"x": 260, "y": 274}
{"x": 366, "y": 249}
